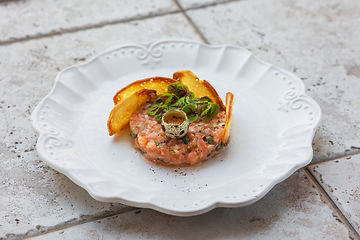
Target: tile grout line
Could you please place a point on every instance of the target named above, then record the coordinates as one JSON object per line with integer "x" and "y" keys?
{"x": 210, "y": 4}
{"x": 86, "y": 27}
{"x": 106, "y": 23}
{"x": 66, "y": 225}
{"x": 332, "y": 203}
{"x": 339, "y": 156}
{"x": 191, "y": 22}
{"x": 69, "y": 224}
{"x": 184, "y": 11}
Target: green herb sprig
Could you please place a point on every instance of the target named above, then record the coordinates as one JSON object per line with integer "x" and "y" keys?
{"x": 179, "y": 97}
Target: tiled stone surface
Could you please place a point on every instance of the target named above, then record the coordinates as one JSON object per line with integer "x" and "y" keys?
{"x": 341, "y": 180}
{"x": 34, "y": 197}
{"x": 37, "y": 17}
{"x": 316, "y": 40}
{"x": 294, "y": 209}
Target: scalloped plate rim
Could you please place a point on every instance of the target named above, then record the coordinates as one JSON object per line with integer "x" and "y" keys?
{"x": 176, "y": 212}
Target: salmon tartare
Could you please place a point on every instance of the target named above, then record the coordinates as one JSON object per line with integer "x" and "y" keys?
{"x": 202, "y": 141}
{"x": 179, "y": 121}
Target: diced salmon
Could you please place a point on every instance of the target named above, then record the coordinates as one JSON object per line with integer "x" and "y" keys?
{"x": 160, "y": 149}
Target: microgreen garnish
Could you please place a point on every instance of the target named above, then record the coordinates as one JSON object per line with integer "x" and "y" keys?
{"x": 181, "y": 98}
{"x": 158, "y": 159}
{"x": 208, "y": 110}
{"x": 156, "y": 143}
{"x": 159, "y": 116}
{"x": 179, "y": 89}
{"x": 190, "y": 110}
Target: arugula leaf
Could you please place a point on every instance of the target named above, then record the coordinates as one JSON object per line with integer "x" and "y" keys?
{"x": 192, "y": 117}
{"x": 167, "y": 98}
{"x": 188, "y": 100}
{"x": 215, "y": 110}
{"x": 201, "y": 100}
{"x": 172, "y": 98}
{"x": 178, "y": 105}
{"x": 209, "y": 110}
{"x": 204, "y": 115}
{"x": 173, "y": 86}
{"x": 154, "y": 109}
{"x": 204, "y": 107}
{"x": 157, "y": 109}
{"x": 182, "y": 91}
{"x": 179, "y": 89}
{"x": 181, "y": 98}
{"x": 159, "y": 116}
{"x": 190, "y": 110}
{"x": 190, "y": 94}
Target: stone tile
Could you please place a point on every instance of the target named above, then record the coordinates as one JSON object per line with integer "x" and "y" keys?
{"x": 294, "y": 209}
{"x": 187, "y": 4}
{"x": 33, "y": 197}
{"x": 341, "y": 181}
{"x": 37, "y": 17}
{"x": 314, "y": 39}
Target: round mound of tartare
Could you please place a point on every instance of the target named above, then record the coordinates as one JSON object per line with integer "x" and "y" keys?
{"x": 179, "y": 121}
{"x": 202, "y": 141}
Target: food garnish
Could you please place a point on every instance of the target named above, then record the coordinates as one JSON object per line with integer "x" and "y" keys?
{"x": 201, "y": 88}
{"x": 121, "y": 113}
{"x": 159, "y": 84}
{"x": 229, "y": 99}
{"x": 179, "y": 97}
{"x": 177, "y": 122}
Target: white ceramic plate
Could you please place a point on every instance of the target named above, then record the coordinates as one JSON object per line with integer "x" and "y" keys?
{"x": 274, "y": 122}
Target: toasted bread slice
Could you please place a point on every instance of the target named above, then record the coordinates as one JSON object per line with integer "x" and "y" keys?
{"x": 200, "y": 88}
{"x": 229, "y": 99}
{"x": 159, "y": 84}
{"x": 121, "y": 113}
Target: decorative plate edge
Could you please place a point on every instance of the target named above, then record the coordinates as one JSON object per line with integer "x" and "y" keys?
{"x": 211, "y": 205}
